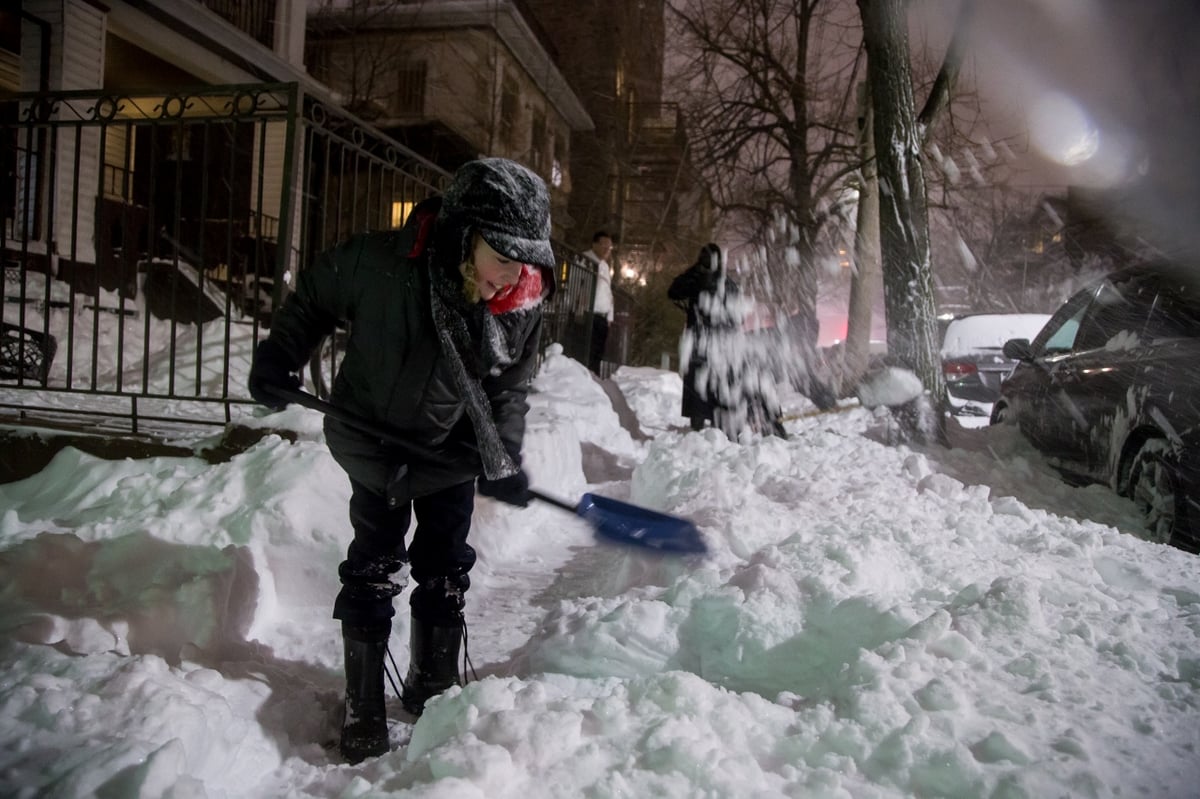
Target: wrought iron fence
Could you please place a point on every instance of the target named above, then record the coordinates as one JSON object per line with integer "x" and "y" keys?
{"x": 569, "y": 318}
{"x": 147, "y": 238}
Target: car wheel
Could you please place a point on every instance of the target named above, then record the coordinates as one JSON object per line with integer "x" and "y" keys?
{"x": 1000, "y": 414}
{"x": 1154, "y": 488}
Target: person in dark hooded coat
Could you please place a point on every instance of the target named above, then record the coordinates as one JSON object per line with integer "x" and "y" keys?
{"x": 445, "y": 317}
{"x": 704, "y": 293}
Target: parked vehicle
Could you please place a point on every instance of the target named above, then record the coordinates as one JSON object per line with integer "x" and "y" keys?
{"x": 973, "y": 362}
{"x": 1109, "y": 390}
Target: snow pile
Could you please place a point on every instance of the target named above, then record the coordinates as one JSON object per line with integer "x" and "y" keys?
{"x": 872, "y": 621}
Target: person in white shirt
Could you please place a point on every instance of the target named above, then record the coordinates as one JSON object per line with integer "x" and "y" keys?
{"x": 602, "y": 299}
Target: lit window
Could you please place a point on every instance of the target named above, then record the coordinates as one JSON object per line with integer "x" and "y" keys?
{"x": 400, "y": 211}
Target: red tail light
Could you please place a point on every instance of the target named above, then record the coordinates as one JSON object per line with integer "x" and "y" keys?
{"x": 956, "y": 370}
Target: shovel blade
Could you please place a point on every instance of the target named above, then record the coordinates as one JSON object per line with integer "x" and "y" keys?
{"x": 630, "y": 524}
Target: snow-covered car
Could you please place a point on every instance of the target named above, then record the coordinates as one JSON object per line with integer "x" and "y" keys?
{"x": 1109, "y": 390}
{"x": 973, "y": 361}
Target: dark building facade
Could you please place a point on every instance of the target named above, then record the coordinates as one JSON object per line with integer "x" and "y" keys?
{"x": 630, "y": 175}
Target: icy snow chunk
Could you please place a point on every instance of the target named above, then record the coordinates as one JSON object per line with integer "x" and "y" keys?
{"x": 890, "y": 387}
{"x": 946, "y": 772}
{"x": 86, "y": 637}
{"x": 653, "y": 394}
{"x": 42, "y": 628}
{"x": 917, "y": 466}
{"x": 997, "y": 748}
{"x": 931, "y": 627}
{"x": 1011, "y": 506}
{"x": 10, "y": 523}
{"x": 952, "y": 646}
{"x": 158, "y": 775}
{"x": 937, "y": 695}
{"x": 942, "y": 485}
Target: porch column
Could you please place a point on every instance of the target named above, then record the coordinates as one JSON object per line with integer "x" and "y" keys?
{"x": 77, "y": 31}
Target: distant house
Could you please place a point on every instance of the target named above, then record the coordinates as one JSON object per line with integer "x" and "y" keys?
{"x": 454, "y": 81}
{"x": 173, "y": 158}
{"x": 121, "y": 158}
{"x": 573, "y": 90}
{"x": 631, "y": 174}
{"x": 177, "y": 158}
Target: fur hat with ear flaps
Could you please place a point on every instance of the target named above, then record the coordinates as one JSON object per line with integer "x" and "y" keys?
{"x": 506, "y": 204}
{"x": 509, "y": 207}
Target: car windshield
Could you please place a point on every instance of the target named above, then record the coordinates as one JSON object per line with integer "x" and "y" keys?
{"x": 1121, "y": 312}
{"x": 1117, "y": 309}
{"x": 1064, "y": 337}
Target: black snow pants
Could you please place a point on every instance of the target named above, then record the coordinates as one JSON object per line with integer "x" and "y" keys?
{"x": 439, "y": 556}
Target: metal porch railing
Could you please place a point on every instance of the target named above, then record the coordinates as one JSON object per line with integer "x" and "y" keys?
{"x": 147, "y": 238}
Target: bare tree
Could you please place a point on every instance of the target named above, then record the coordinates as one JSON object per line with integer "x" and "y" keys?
{"x": 385, "y": 73}
{"x": 364, "y": 70}
{"x": 1001, "y": 247}
{"x": 903, "y": 217}
{"x": 951, "y": 123}
{"x": 772, "y": 121}
{"x": 768, "y": 100}
{"x": 856, "y": 352}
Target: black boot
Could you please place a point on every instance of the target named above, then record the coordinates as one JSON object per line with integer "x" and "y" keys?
{"x": 433, "y": 666}
{"x": 365, "y": 729}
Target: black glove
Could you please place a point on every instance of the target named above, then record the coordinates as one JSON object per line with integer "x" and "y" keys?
{"x": 513, "y": 489}
{"x": 272, "y": 370}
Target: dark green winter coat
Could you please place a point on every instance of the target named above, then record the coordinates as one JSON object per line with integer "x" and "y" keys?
{"x": 395, "y": 371}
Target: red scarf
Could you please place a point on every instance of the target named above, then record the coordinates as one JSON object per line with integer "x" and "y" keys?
{"x": 525, "y": 293}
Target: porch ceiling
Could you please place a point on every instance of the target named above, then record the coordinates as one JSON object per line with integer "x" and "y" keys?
{"x": 129, "y": 67}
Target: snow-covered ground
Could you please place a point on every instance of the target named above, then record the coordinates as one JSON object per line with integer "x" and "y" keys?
{"x": 871, "y": 621}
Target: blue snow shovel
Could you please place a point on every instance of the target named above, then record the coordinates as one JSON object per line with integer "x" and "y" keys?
{"x": 611, "y": 519}
{"x": 631, "y": 524}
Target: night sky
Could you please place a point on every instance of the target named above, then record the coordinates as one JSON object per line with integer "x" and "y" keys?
{"x": 1109, "y": 91}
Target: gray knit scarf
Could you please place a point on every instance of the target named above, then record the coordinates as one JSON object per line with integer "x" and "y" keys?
{"x": 470, "y": 358}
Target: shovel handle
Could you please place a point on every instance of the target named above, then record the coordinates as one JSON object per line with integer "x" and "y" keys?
{"x": 559, "y": 503}
{"x": 329, "y": 409}
{"x": 352, "y": 420}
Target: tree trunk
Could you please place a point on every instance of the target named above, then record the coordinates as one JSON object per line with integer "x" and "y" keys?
{"x": 856, "y": 355}
{"x": 806, "y": 284}
{"x": 903, "y": 216}
{"x": 943, "y": 84}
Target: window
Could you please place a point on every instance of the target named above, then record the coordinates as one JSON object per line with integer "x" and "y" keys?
{"x": 118, "y": 171}
{"x": 1064, "y": 338}
{"x": 482, "y": 86}
{"x": 558, "y": 168}
{"x": 10, "y": 70}
{"x": 1058, "y": 336}
{"x": 400, "y": 211}
{"x": 410, "y": 88}
{"x": 537, "y": 142}
{"x": 1116, "y": 309}
{"x": 509, "y": 109}
{"x": 631, "y": 114}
